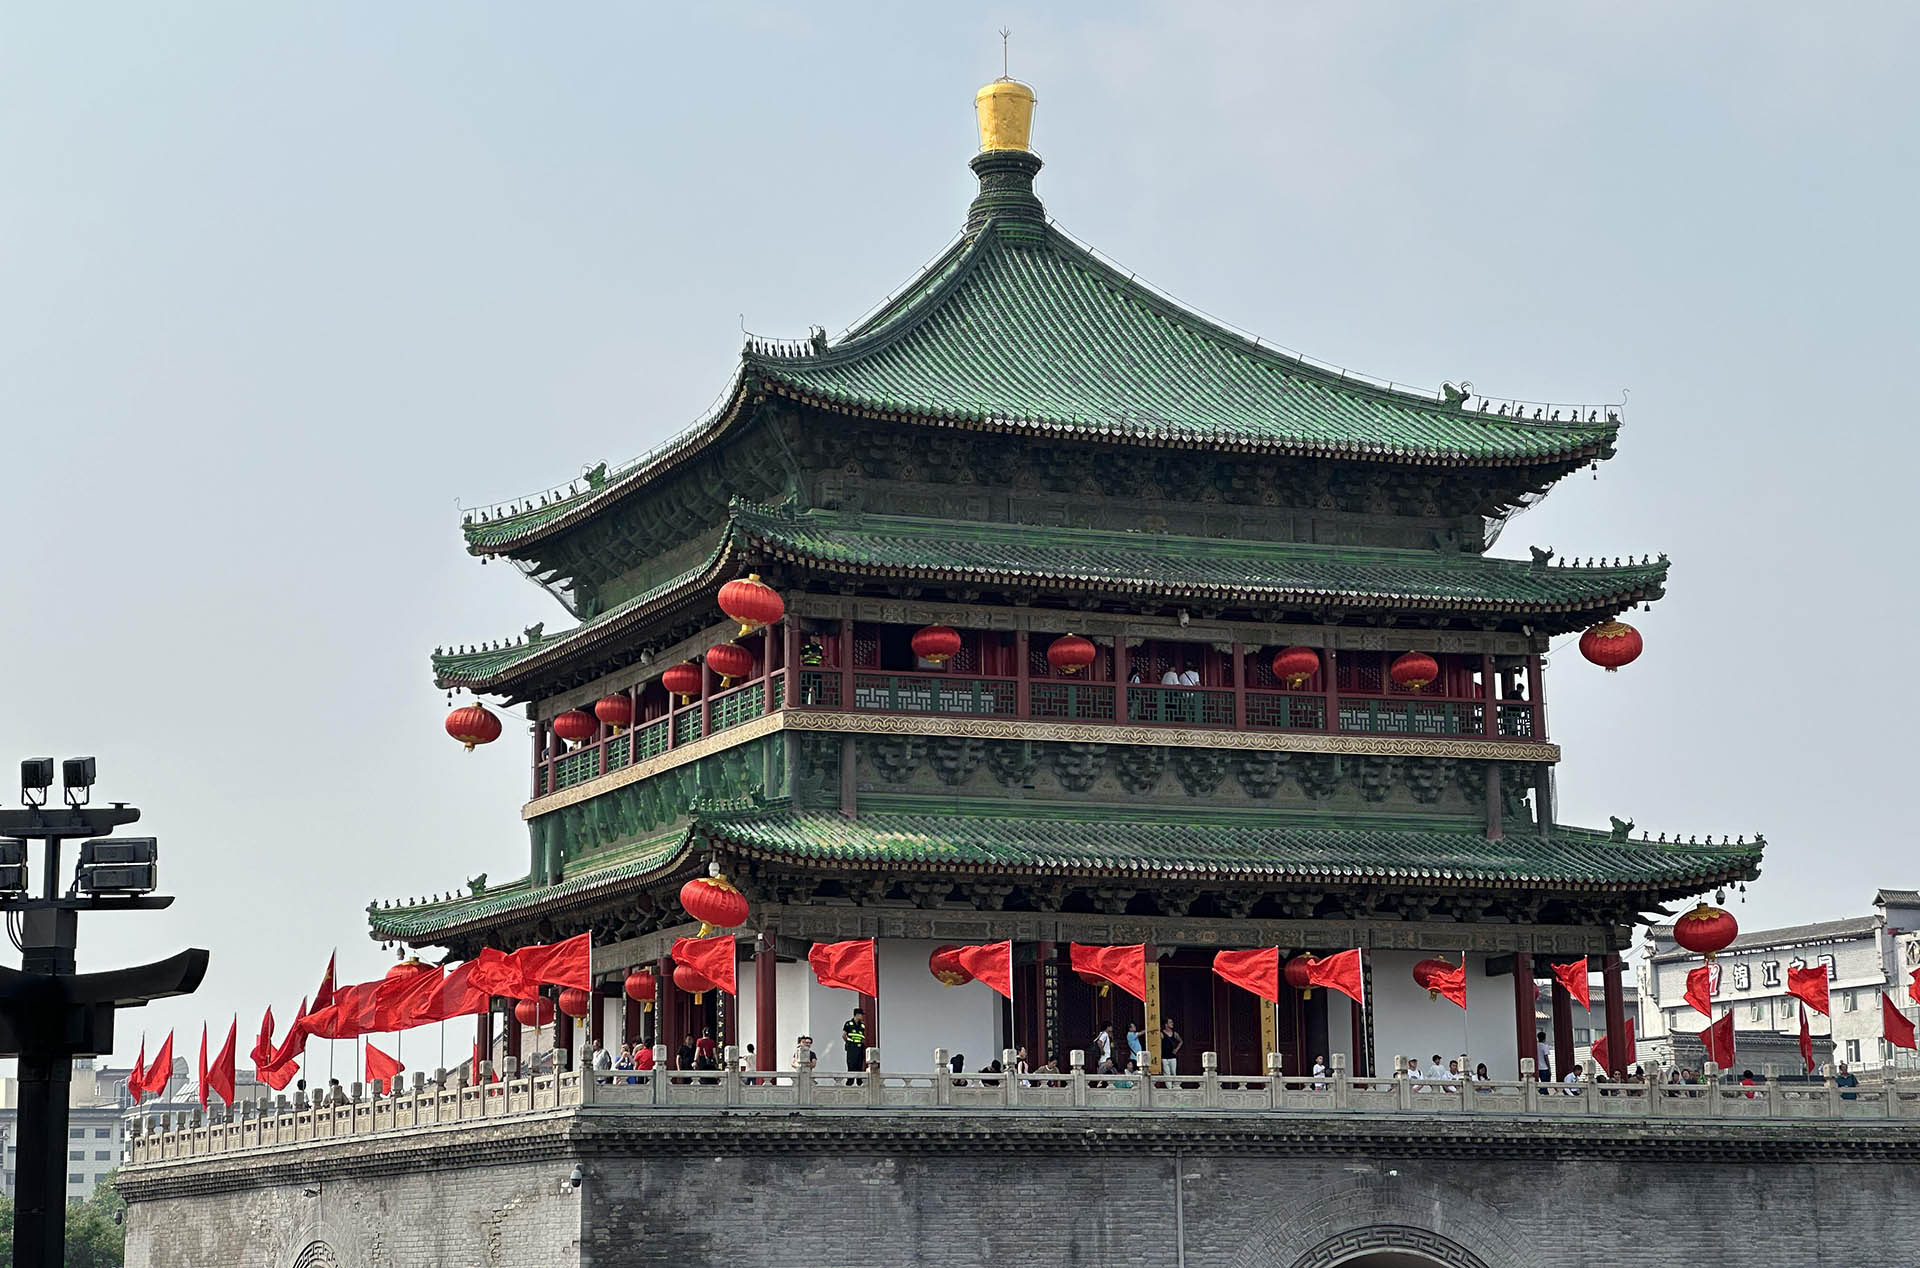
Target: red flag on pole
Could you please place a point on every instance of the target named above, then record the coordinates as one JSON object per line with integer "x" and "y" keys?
{"x": 1700, "y": 990}
{"x": 1806, "y": 1040}
{"x": 1573, "y": 976}
{"x": 160, "y": 1070}
{"x": 1600, "y": 1049}
{"x": 1718, "y": 1040}
{"x": 498, "y": 973}
{"x": 220, "y": 1075}
{"x": 712, "y": 958}
{"x": 296, "y": 1041}
{"x": 1913, "y": 988}
{"x": 1257, "y": 970}
{"x": 1341, "y": 972}
{"x": 1810, "y": 985}
{"x": 136, "y": 1081}
{"x": 440, "y": 996}
{"x": 262, "y": 1053}
{"x": 1125, "y": 967}
{"x": 382, "y": 1067}
{"x": 568, "y": 963}
{"x": 1453, "y": 982}
{"x": 846, "y": 965}
{"x": 202, "y": 1080}
{"x": 1894, "y": 1025}
{"x": 991, "y": 962}
{"x": 324, "y": 996}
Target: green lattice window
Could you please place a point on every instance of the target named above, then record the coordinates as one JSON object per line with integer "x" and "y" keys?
{"x": 1272, "y": 711}
{"x": 1079, "y": 702}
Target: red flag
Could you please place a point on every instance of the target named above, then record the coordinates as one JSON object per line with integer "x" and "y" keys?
{"x": 1452, "y": 983}
{"x": 1125, "y": 967}
{"x": 1913, "y": 988}
{"x": 324, "y": 996}
{"x": 1573, "y": 976}
{"x": 847, "y": 965}
{"x": 1700, "y": 990}
{"x": 262, "y": 1053}
{"x": 1257, "y": 971}
{"x": 136, "y": 1081}
{"x": 1806, "y": 1039}
{"x": 294, "y": 1044}
{"x": 160, "y": 1069}
{"x": 1633, "y": 1044}
{"x": 278, "y": 1076}
{"x": 1811, "y": 986}
{"x": 1340, "y": 972}
{"x": 202, "y": 1081}
{"x": 438, "y": 996}
{"x": 220, "y": 1075}
{"x": 498, "y": 973}
{"x": 351, "y": 1014}
{"x": 712, "y": 958}
{"x": 990, "y": 962}
{"x": 382, "y": 1067}
{"x": 1600, "y": 1050}
{"x": 1718, "y": 1040}
{"x": 1894, "y": 1025}
{"x": 568, "y": 963}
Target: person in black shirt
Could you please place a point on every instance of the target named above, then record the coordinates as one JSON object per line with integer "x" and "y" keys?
{"x": 854, "y": 1035}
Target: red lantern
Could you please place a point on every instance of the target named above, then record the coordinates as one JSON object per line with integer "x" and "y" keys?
{"x": 714, "y": 902}
{"x": 642, "y": 988}
{"x": 574, "y": 1002}
{"x": 533, "y": 1012}
{"x": 576, "y": 725}
{"x": 1413, "y": 671}
{"x": 946, "y": 969}
{"x": 936, "y": 643}
{"x": 1070, "y": 653}
{"x": 1611, "y": 644}
{"x": 690, "y": 980}
{"x": 473, "y": 724}
{"x": 730, "y": 661}
{"x": 1424, "y": 972}
{"x": 683, "y": 680}
{"x": 752, "y": 602}
{"x": 406, "y": 968}
{"x": 1295, "y": 665}
{"x": 615, "y": 711}
{"x": 1295, "y": 972}
{"x": 1706, "y": 930}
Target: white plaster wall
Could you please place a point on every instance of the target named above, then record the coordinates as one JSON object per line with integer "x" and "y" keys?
{"x": 1407, "y": 1023}
{"x": 917, "y": 1014}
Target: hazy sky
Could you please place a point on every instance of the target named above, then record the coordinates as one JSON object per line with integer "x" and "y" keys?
{"x": 281, "y": 283}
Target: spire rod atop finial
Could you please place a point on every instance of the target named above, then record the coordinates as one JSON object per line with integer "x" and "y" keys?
{"x": 1006, "y": 34}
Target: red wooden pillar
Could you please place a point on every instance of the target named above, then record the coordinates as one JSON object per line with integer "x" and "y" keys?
{"x": 482, "y": 1040}
{"x": 769, "y": 644}
{"x": 1037, "y": 1040}
{"x": 790, "y": 661}
{"x": 1610, "y": 971}
{"x": 1121, "y": 663}
{"x": 511, "y": 1022}
{"x": 706, "y": 698}
{"x": 1332, "y": 688}
{"x": 539, "y": 759}
{"x": 1240, "y": 689}
{"x": 846, "y": 663}
{"x": 667, "y": 1008}
{"x": 632, "y": 1027}
{"x": 1537, "y": 697}
{"x": 1490, "y": 695}
{"x": 1562, "y": 1030}
{"x": 1021, "y": 683}
{"x": 766, "y": 1004}
{"x": 1523, "y": 1026}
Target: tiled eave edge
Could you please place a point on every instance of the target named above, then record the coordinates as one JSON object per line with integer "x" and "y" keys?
{"x": 1017, "y": 729}
{"x": 1574, "y": 454}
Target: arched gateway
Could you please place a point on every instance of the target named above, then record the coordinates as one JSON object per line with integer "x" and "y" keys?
{"x": 1389, "y": 1246}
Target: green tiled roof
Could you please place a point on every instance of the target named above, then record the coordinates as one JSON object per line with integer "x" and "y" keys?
{"x": 1026, "y": 332}
{"x": 1038, "y": 335}
{"x": 1116, "y": 563}
{"x": 1231, "y": 846}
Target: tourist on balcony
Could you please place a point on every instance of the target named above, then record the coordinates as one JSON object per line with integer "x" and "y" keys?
{"x": 1136, "y": 1045}
{"x": 1320, "y": 1072}
{"x": 804, "y": 1057}
{"x": 1846, "y": 1079}
{"x": 1170, "y": 1045}
{"x": 624, "y": 1062}
{"x": 1544, "y": 1069}
{"x": 706, "y": 1053}
{"x": 1103, "y": 1043}
{"x": 643, "y": 1059}
{"x": 853, "y": 1036}
{"x": 683, "y": 1059}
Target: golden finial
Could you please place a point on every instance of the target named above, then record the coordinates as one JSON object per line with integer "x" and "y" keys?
{"x": 1005, "y": 106}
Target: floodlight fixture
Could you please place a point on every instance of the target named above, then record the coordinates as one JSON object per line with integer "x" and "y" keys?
{"x": 36, "y": 776}
{"x": 98, "y": 881}
{"x": 13, "y": 865}
{"x": 118, "y": 865}
{"x": 76, "y": 775}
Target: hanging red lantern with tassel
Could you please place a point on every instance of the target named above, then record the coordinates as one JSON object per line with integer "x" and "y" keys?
{"x": 730, "y": 661}
{"x": 533, "y": 1012}
{"x": 616, "y": 711}
{"x": 1294, "y": 665}
{"x": 1611, "y": 644}
{"x": 1413, "y": 671}
{"x": 473, "y": 724}
{"x": 1295, "y": 971}
{"x": 715, "y": 903}
{"x": 1426, "y": 970}
{"x": 642, "y": 988}
{"x": 1706, "y": 930}
{"x": 574, "y": 1002}
{"x": 946, "y": 969}
{"x": 576, "y": 725}
{"x": 752, "y": 602}
{"x": 936, "y": 644}
{"x": 683, "y": 680}
{"x": 690, "y": 980}
{"x": 1069, "y": 654}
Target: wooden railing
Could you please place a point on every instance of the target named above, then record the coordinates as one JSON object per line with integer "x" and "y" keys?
{"x": 684, "y": 724}
{"x": 183, "y": 1136}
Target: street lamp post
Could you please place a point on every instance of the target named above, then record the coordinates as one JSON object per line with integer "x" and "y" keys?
{"x": 49, "y": 1014}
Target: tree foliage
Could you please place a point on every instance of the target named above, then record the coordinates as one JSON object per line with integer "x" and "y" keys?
{"x": 96, "y": 1237}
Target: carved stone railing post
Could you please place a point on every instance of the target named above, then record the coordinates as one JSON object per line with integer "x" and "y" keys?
{"x": 1009, "y": 1081}
{"x": 1210, "y": 1079}
{"x": 1077, "y": 1064}
{"x": 1342, "y": 1086}
{"x": 730, "y": 1079}
{"x": 1276, "y": 1089}
{"x": 942, "y": 1078}
{"x": 876, "y": 1086}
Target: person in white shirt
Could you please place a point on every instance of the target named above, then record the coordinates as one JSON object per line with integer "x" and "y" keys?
{"x": 1189, "y": 677}
{"x": 1433, "y": 1068}
{"x": 1171, "y": 678}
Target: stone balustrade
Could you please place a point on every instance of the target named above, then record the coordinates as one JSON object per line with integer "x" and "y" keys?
{"x": 449, "y": 1098}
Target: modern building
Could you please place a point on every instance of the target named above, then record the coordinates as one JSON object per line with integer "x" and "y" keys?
{"x": 1102, "y": 623}
{"x": 96, "y": 1128}
{"x": 1865, "y": 957}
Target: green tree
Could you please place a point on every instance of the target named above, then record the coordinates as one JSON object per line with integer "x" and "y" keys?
{"x": 95, "y": 1235}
